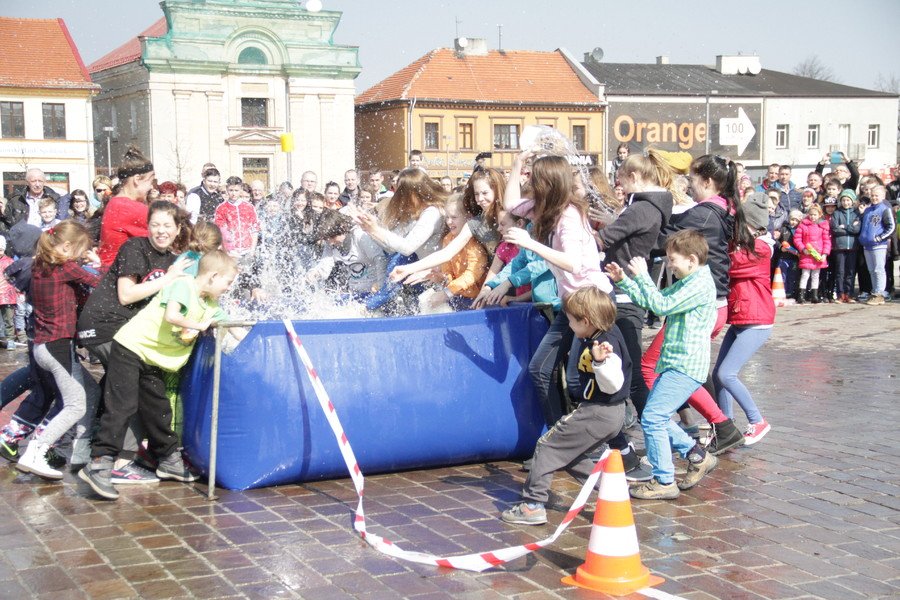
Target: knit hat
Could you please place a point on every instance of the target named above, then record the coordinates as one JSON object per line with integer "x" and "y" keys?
{"x": 849, "y": 194}
{"x": 23, "y": 238}
{"x": 809, "y": 190}
{"x": 795, "y": 214}
{"x": 756, "y": 210}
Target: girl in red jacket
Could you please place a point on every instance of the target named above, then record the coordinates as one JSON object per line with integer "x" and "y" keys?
{"x": 813, "y": 239}
{"x": 751, "y": 311}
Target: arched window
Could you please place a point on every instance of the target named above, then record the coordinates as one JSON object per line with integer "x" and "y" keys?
{"x": 252, "y": 55}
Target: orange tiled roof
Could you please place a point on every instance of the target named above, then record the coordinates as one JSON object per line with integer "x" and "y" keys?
{"x": 508, "y": 77}
{"x": 40, "y": 53}
{"x": 130, "y": 50}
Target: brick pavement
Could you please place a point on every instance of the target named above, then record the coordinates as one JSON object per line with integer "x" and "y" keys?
{"x": 813, "y": 511}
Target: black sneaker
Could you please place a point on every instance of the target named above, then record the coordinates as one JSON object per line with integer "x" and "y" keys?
{"x": 172, "y": 467}
{"x": 97, "y": 475}
{"x": 9, "y": 450}
{"x": 635, "y": 467}
{"x": 725, "y": 437}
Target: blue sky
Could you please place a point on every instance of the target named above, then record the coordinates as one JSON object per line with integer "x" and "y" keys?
{"x": 859, "y": 40}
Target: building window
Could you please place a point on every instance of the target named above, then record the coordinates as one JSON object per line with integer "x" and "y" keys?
{"x": 54, "y": 121}
{"x": 12, "y": 120}
{"x": 781, "y": 136}
{"x": 252, "y": 56}
{"x": 432, "y": 137}
{"x": 133, "y": 124}
{"x": 466, "y": 138}
{"x": 579, "y": 137}
{"x": 506, "y": 137}
{"x": 874, "y": 138}
{"x": 254, "y": 112}
{"x": 812, "y": 136}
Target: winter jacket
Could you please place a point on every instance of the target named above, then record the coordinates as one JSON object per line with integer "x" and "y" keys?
{"x": 818, "y": 235}
{"x": 790, "y": 198}
{"x": 750, "y": 299}
{"x": 845, "y": 224}
{"x": 877, "y": 226}
{"x": 776, "y": 220}
{"x": 636, "y": 229}
{"x": 785, "y": 247}
{"x": 17, "y": 209}
{"x": 717, "y": 226}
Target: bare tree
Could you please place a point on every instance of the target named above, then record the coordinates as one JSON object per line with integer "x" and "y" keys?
{"x": 814, "y": 68}
{"x": 891, "y": 84}
{"x": 888, "y": 83}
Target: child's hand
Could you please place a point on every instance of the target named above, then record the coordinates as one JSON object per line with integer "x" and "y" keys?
{"x": 204, "y": 325}
{"x": 637, "y": 265}
{"x": 615, "y": 272}
{"x": 178, "y": 267}
{"x": 92, "y": 257}
{"x": 400, "y": 273}
{"x": 601, "y": 350}
{"x": 519, "y": 237}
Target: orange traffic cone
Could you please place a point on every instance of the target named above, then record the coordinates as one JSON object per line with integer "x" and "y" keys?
{"x": 778, "y": 294}
{"x": 613, "y": 561}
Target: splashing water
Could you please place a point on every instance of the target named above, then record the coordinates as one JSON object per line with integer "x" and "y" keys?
{"x": 546, "y": 140}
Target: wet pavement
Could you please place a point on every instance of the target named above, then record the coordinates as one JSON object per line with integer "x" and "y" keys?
{"x": 812, "y": 511}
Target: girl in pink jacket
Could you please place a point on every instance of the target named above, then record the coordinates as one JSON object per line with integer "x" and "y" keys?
{"x": 813, "y": 240}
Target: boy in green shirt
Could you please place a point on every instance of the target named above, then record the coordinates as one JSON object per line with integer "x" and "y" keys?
{"x": 156, "y": 340}
{"x": 690, "y": 308}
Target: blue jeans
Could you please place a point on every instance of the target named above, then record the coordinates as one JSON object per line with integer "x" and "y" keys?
{"x": 846, "y": 270}
{"x": 558, "y": 340}
{"x": 661, "y": 434}
{"x": 875, "y": 259}
{"x": 389, "y": 289}
{"x": 739, "y": 345}
{"x": 14, "y": 385}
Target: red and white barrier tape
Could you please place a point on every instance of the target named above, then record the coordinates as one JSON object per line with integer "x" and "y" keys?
{"x": 469, "y": 562}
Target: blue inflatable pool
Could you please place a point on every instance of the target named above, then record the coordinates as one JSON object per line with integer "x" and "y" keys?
{"x": 411, "y": 392}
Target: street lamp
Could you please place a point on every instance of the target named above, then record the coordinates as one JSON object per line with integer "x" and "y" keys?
{"x": 108, "y": 131}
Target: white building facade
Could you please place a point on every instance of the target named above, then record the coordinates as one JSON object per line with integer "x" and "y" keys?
{"x": 222, "y": 81}
{"x": 45, "y": 114}
{"x": 753, "y": 115}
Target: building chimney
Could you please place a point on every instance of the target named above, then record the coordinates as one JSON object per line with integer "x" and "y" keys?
{"x": 738, "y": 64}
{"x": 662, "y": 60}
{"x": 470, "y": 46}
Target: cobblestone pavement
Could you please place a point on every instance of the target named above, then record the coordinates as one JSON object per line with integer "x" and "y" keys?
{"x": 812, "y": 511}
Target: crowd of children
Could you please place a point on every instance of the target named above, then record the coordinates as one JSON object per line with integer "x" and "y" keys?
{"x": 165, "y": 255}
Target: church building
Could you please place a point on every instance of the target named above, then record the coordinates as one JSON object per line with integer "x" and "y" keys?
{"x": 221, "y": 81}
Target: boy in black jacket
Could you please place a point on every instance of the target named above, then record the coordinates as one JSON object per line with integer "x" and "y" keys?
{"x": 604, "y": 375}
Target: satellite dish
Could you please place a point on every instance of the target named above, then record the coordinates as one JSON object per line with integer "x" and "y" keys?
{"x": 597, "y": 54}
{"x": 462, "y": 42}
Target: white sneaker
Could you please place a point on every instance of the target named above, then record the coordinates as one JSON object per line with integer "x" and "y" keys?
{"x": 34, "y": 460}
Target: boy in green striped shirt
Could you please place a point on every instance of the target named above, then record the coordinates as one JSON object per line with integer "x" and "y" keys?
{"x": 690, "y": 310}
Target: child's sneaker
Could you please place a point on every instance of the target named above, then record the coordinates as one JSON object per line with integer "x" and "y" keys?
{"x": 133, "y": 474}
{"x": 756, "y": 432}
{"x": 725, "y": 437}
{"x": 9, "y": 449}
{"x": 654, "y": 490}
{"x": 522, "y": 514}
{"x": 636, "y": 468}
{"x": 698, "y": 466}
{"x": 98, "y": 475}
{"x": 172, "y": 467}
{"x": 34, "y": 460}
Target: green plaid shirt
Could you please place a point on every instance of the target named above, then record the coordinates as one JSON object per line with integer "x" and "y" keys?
{"x": 690, "y": 308}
